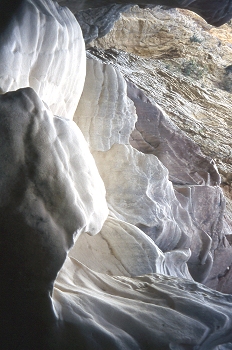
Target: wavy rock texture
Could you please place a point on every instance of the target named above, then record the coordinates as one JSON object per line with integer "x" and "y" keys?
{"x": 128, "y": 252}
{"x": 193, "y": 88}
{"x": 120, "y": 289}
{"x": 190, "y": 172}
{"x": 138, "y": 190}
{"x": 147, "y": 312}
{"x": 105, "y": 114}
{"x": 43, "y": 44}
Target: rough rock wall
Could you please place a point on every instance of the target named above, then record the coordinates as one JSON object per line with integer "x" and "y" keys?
{"x": 218, "y": 13}
{"x": 95, "y": 23}
{"x": 97, "y": 18}
{"x": 132, "y": 285}
{"x": 182, "y": 64}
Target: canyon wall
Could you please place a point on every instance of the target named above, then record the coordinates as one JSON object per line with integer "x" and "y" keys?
{"x": 114, "y": 227}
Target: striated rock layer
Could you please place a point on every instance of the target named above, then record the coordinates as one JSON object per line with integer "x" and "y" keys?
{"x": 184, "y": 69}
{"x": 97, "y": 18}
{"x": 105, "y": 114}
{"x": 180, "y": 64}
{"x": 132, "y": 285}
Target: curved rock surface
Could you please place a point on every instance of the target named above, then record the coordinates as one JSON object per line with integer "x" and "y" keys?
{"x": 128, "y": 252}
{"x": 193, "y": 88}
{"x": 41, "y": 47}
{"x": 113, "y": 307}
{"x": 119, "y": 289}
{"x": 50, "y": 192}
{"x": 138, "y": 190}
{"x": 105, "y": 114}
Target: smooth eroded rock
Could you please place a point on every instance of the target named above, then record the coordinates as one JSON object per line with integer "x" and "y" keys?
{"x": 105, "y": 114}
{"x": 50, "y": 192}
{"x": 147, "y": 312}
{"x": 42, "y": 47}
{"x": 123, "y": 249}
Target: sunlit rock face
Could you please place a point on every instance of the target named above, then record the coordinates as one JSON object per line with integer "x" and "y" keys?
{"x": 182, "y": 64}
{"x": 105, "y": 114}
{"x": 183, "y": 71}
{"x": 41, "y": 47}
{"x": 132, "y": 285}
{"x": 138, "y": 188}
{"x": 147, "y": 312}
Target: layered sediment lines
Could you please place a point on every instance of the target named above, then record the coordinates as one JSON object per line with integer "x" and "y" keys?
{"x": 106, "y": 221}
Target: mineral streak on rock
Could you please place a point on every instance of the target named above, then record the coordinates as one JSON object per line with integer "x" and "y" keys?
{"x": 41, "y": 47}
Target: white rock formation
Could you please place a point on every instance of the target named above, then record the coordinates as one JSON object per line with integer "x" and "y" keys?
{"x": 105, "y": 114}
{"x": 138, "y": 191}
{"x": 123, "y": 249}
{"x": 149, "y": 312}
{"x": 41, "y": 48}
{"x": 51, "y": 192}
{"x": 47, "y": 160}
{"x": 114, "y": 290}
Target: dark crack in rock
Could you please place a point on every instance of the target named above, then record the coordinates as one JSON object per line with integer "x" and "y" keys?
{"x": 217, "y": 13}
{"x": 95, "y": 23}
